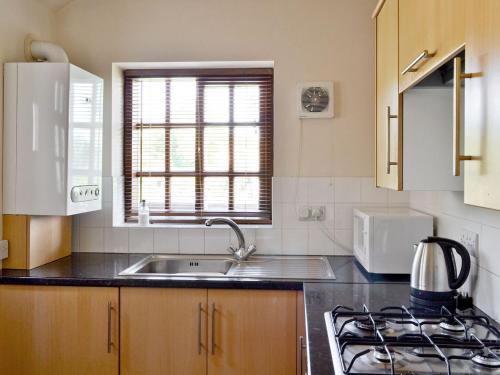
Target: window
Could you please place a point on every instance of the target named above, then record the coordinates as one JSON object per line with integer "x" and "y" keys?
{"x": 198, "y": 144}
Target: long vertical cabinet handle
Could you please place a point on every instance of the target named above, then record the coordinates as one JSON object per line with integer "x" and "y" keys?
{"x": 302, "y": 347}
{"x": 388, "y": 141}
{"x": 200, "y": 312}
{"x": 213, "y": 329}
{"x": 110, "y": 338}
{"x": 457, "y": 114}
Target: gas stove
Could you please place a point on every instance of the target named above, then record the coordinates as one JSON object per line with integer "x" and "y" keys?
{"x": 402, "y": 340}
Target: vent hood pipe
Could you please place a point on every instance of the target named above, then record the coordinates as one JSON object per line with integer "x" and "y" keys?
{"x": 36, "y": 50}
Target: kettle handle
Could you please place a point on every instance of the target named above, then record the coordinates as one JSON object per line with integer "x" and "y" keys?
{"x": 448, "y": 245}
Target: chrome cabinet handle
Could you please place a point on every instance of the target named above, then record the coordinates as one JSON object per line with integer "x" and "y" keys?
{"x": 388, "y": 141}
{"x": 200, "y": 311}
{"x": 110, "y": 339}
{"x": 213, "y": 328}
{"x": 411, "y": 67}
{"x": 302, "y": 347}
{"x": 458, "y": 76}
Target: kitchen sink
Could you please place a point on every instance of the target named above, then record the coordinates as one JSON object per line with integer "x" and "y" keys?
{"x": 158, "y": 265}
{"x": 257, "y": 267}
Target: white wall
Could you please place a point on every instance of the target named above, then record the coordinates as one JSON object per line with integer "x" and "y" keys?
{"x": 452, "y": 215}
{"x": 307, "y": 40}
{"x": 17, "y": 19}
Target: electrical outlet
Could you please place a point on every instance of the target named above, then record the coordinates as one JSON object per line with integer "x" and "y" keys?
{"x": 4, "y": 249}
{"x": 312, "y": 213}
{"x": 470, "y": 240}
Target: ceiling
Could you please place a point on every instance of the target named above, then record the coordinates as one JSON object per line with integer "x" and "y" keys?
{"x": 55, "y": 5}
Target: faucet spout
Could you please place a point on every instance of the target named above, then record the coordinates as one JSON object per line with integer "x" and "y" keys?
{"x": 234, "y": 227}
{"x": 242, "y": 252}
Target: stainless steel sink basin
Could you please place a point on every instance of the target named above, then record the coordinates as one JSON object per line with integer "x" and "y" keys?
{"x": 158, "y": 265}
{"x": 257, "y": 267}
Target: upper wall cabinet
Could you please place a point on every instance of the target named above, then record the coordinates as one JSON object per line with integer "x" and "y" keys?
{"x": 482, "y": 111}
{"x": 430, "y": 33}
{"x": 388, "y": 130}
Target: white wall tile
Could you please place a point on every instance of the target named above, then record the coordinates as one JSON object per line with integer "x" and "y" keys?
{"x": 487, "y": 293}
{"x": 320, "y": 190}
{"x": 166, "y": 240}
{"x": 320, "y": 242}
{"x": 268, "y": 241}
{"x": 344, "y": 240}
{"x": 116, "y": 240}
{"x": 347, "y": 189}
{"x": 371, "y": 194}
{"x": 107, "y": 189}
{"x": 191, "y": 241}
{"x": 398, "y": 198}
{"x": 94, "y": 219}
{"x": 489, "y": 250}
{"x": 91, "y": 240}
{"x": 343, "y": 216}
{"x": 295, "y": 241}
{"x": 141, "y": 240}
{"x": 291, "y": 189}
{"x": 290, "y": 217}
{"x": 216, "y": 241}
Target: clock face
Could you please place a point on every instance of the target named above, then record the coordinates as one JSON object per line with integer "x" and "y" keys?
{"x": 315, "y": 99}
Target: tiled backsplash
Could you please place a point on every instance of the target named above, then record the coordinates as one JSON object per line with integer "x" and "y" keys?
{"x": 451, "y": 217}
{"x": 94, "y": 232}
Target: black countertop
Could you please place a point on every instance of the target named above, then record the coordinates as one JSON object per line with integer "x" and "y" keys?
{"x": 102, "y": 269}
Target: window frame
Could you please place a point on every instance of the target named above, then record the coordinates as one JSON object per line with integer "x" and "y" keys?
{"x": 266, "y": 129}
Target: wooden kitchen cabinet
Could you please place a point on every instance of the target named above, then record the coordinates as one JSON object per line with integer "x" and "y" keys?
{"x": 388, "y": 120}
{"x": 482, "y": 111}
{"x": 199, "y": 331}
{"x": 252, "y": 332}
{"x": 435, "y": 26}
{"x": 163, "y": 331}
{"x": 56, "y": 330}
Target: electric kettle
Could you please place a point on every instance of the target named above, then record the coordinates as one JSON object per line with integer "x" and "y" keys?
{"x": 434, "y": 280}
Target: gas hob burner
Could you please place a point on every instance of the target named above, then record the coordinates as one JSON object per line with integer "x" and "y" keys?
{"x": 487, "y": 359}
{"x": 452, "y": 326}
{"x": 381, "y": 355}
{"x": 366, "y": 324}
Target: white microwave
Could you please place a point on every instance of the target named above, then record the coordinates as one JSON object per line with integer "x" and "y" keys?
{"x": 384, "y": 238}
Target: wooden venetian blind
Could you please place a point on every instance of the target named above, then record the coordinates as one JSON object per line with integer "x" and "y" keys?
{"x": 199, "y": 144}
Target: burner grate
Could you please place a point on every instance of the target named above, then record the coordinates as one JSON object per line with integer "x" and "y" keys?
{"x": 480, "y": 352}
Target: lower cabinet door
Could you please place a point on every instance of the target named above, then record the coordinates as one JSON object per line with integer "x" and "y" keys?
{"x": 55, "y": 330}
{"x": 163, "y": 331}
{"x": 252, "y": 332}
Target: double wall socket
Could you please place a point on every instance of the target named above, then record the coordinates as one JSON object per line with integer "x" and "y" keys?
{"x": 312, "y": 213}
{"x": 470, "y": 240}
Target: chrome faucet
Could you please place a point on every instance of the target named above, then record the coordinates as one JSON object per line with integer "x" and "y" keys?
{"x": 242, "y": 252}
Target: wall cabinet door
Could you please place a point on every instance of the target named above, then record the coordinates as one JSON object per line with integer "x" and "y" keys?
{"x": 482, "y": 111}
{"x": 435, "y": 26}
{"x": 252, "y": 332}
{"x": 163, "y": 331}
{"x": 388, "y": 130}
{"x": 54, "y": 330}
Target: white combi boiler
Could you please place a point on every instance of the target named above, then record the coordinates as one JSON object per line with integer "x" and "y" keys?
{"x": 384, "y": 238}
{"x": 53, "y": 118}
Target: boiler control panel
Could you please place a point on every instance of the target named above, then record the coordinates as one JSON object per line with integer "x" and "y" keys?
{"x": 85, "y": 193}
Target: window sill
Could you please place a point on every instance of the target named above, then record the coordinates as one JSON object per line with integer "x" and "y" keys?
{"x": 190, "y": 226}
